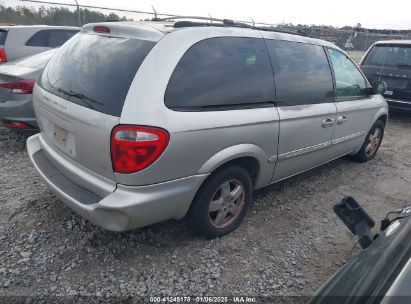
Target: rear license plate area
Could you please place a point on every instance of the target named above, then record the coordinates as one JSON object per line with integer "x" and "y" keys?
{"x": 60, "y": 136}
{"x": 58, "y": 131}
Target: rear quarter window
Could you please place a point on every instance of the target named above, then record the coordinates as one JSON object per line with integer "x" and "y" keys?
{"x": 95, "y": 71}
{"x": 3, "y": 37}
{"x": 39, "y": 39}
{"x": 221, "y": 72}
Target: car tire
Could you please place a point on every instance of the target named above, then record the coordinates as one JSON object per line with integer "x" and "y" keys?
{"x": 221, "y": 203}
{"x": 371, "y": 144}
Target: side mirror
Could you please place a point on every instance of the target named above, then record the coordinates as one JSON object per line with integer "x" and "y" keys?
{"x": 379, "y": 87}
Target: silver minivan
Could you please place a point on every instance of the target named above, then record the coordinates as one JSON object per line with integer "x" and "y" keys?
{"x": 144, "y": 122}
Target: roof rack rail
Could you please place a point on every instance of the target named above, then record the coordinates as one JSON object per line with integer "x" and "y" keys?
{"x": 188, "y": 17}
{"x": 232, "y": 23}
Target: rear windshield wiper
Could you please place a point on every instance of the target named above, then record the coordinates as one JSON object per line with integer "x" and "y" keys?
{"x": 79, "y": 96}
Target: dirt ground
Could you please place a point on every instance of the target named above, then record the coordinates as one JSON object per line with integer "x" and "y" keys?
{"x": 289, "y": 244}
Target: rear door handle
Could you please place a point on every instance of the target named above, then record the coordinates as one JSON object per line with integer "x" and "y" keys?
{"x": 341, "y": 119}
{"x": 326, "y": 123}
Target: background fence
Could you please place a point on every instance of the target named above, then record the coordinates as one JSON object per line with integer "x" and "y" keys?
{"x": 355, "y": 40}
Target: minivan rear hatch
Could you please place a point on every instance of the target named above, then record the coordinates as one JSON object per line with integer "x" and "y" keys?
{"x": 390, "y": 62}
{"x": 82, "y": 93}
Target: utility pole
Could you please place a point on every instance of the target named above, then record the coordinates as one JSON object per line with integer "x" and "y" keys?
{"x": 78, "y": 14}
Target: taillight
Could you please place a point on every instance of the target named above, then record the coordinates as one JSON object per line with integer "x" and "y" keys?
{"x": 20, "y": 86}
{"x": 3, "y": 57}
{"x": 15, "y": 125}
{"x": 134, "y": 148}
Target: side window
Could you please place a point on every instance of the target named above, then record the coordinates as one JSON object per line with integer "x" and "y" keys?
{"x": 349, "y": 81}
{"x": 3, "y": 37}
{"x": 39, "y": 39}
{"x": 302, "y": 73}
{"x": 222, "y": 72}
{"x": 59, "y": 37}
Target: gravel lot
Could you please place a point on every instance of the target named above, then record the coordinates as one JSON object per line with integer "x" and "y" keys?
{"x": 289, "y": 244}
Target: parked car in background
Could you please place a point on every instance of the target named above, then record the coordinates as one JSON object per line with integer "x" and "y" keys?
{"x": 18, "y": 41}
{"x": 390, "y": 61}
{"x": 381, "y": 273}
{"x": 17, "y": 80}
{"x": 144, "y": 122}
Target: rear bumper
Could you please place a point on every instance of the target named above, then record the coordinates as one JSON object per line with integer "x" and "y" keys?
{"x": 18, "y": 111}
{"x": 399, "y": 104}
{"x": 125, "y": 207}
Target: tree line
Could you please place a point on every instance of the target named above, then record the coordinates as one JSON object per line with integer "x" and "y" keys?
{"x": 52, "y": 16}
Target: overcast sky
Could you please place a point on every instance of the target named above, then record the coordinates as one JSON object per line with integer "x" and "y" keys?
{"x": 393, "y": 14}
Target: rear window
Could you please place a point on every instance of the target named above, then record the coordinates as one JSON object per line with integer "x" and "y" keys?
{"x": 3, "y": 36}
{"x": 221, "y": 72}
{"x": 389, "y": 55}
{"x": 95, "y": 71}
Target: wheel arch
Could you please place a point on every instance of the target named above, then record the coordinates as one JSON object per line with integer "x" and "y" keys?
{"x": 249, "y": 156}
{"x": 381, "y": 114}
{"x": 384, "y": 118}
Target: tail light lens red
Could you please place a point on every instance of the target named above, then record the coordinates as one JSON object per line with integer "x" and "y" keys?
{"x": 15, "y": 125}
{"x": 20, "y": 86}
{"x": 3, "y": 57}
{"x": 134, "y": 148}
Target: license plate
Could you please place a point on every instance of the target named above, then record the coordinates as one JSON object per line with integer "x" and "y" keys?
{"x": 60, "y": 136}
{"x": 389, "y": 93}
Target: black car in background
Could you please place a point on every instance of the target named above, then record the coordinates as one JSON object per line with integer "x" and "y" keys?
{"x": 390, "y": 61}
{"x": 381, "y": 273}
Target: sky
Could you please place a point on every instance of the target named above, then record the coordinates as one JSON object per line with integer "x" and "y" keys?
{"x": 394, "y": 14}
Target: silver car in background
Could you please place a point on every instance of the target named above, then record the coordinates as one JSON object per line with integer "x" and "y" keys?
{"x": 17, "y": 81}
{"x": 19, "y": 41}
{"x": 144, "y": 122}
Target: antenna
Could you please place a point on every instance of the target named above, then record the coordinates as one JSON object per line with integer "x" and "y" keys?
{"x": 211, "y": 17}
{"x": 155, "y": 13}
{"x": 252, "y": 21}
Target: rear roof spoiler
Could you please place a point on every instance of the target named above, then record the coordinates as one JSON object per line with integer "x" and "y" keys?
{"x": 129, "y": 30}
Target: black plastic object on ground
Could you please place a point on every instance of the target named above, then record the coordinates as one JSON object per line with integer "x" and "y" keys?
{"x": 356, "y": 219}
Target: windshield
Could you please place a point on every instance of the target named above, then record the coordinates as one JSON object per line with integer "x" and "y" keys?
{"x": 95, "y": 71}
{"x": 389, "y": 55}
{"x": 36, "y": 61}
